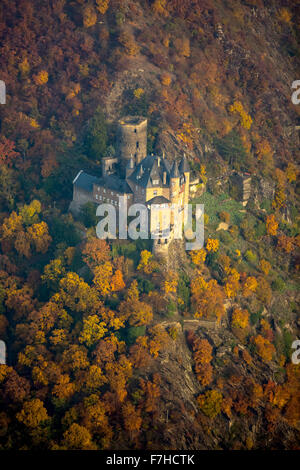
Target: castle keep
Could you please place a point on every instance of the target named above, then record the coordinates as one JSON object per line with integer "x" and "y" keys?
{"x": 141, "y": 178}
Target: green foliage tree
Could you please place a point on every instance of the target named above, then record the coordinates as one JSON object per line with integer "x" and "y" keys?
{"x": 96, "y": 139}
{"x": 232, "y": 150}
{"x": 88, "y": 214}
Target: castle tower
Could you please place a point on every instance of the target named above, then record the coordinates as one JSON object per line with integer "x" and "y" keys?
{"x": 175, "y": 183}
{"x": 184, "y": 169}
{"x": 132, "y": 139}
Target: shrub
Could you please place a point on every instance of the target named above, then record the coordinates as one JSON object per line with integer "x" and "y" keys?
{"x": 134, "y": 332}
{"x": 250, "y": 257}
{"x": 210, "y": 403}
{"x": 171, "y": 309}
{"x": 278, "y": 284}
{"x": 88, "y": 215}
{"x": 225, "y": 217}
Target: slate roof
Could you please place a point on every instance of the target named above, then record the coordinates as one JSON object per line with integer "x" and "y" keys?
{"x": 184, "y": 166}
{"x": 148, "y": 170}
{"x": 175, "y": 171}
{"x": 85, "y": 182}
{"x": 158, "y": 200}
{"x": 151, "y": 169}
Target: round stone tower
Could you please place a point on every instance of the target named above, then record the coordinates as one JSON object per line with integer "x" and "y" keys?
{"x": 132, "y": 139}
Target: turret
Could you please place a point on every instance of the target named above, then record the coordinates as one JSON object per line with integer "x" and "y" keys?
{"x": 184, "y": 169}
{"x": 175, "y": 183}
{"x": 129, "y": 167}
{"x": 174, "y": 171}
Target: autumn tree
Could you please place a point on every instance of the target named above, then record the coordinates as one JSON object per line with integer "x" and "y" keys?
{"x": 89, "y": 16}
{"x": 240, "y": 318}
{"x": 132, "y": 419}
{"x": 265, "y": 266}
{"x": 41, "y": 78}
{"x": 211, "y": 403}
{"x": 202, "y": 355}
{"x": 33, "y": 413}
{"x": 137, "y": 312}
{"x": 128, "y": 42}
{"x": 93, "y": 330}
{"x": 198, "y": 257}
{"x": 249, "y": 286}
{"x": 212, "y": 245}
{"x": 103, "y": 278}
{"x": 8, "y": 154}
{"x": 271, "y": 225}
{"x": 102, "y": 6}
{"x": 207, "y": 298}
{"x": 263, "y": 290}
{"x": 171, "y": 282}
{"x": 77, "y": 437}
{"x": 96, "y": 252}
{"x": 265, "y": 349}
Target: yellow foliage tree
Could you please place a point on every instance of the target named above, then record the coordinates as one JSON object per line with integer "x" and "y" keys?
{"x": 77, "y": 437}
{"x": 39, "y": 235}
{"x": 89, "y": 16}
{"x": 138, "y": 92}
{"x": 240, "y": 318}
{"x": 246, "y": 120}
{"x": 250, "y": 286}
{"x": 103, "y": 277}
{"x": 211, "y": 403}
{"x": 265, "y": 266}
{"x": 291, "y": 172}
{"x": 285, "y": 15}
{"x": 159, "y": 6}
{"x": 145, "y": 263}
{"x": 93, "y": 330}
{"x": 171, "y": 281}
{"x": 212, "y": 245}
{"x": 41, "y": 78}
{"x": 33, "y": 413}
{"x": 198, "y": 256}
{"x": 265, "y": 349}
{"x": 102, "y": 6}
{"x": 271, "y": 225}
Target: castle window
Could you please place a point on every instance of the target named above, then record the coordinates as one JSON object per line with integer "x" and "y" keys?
{"x": 154, "y": 193}
{"x": 135, "y": 131}
{"x": 137, "y": 145}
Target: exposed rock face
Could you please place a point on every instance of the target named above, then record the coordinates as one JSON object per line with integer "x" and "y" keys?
{"x": 243, "y": 185}
{"x": 264, "y": 189}
{"x": 181, "y": 425}
{"x": 179, "y": 389}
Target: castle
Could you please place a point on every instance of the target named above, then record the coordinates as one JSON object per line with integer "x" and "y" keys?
{"x": 140, "y": 178}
